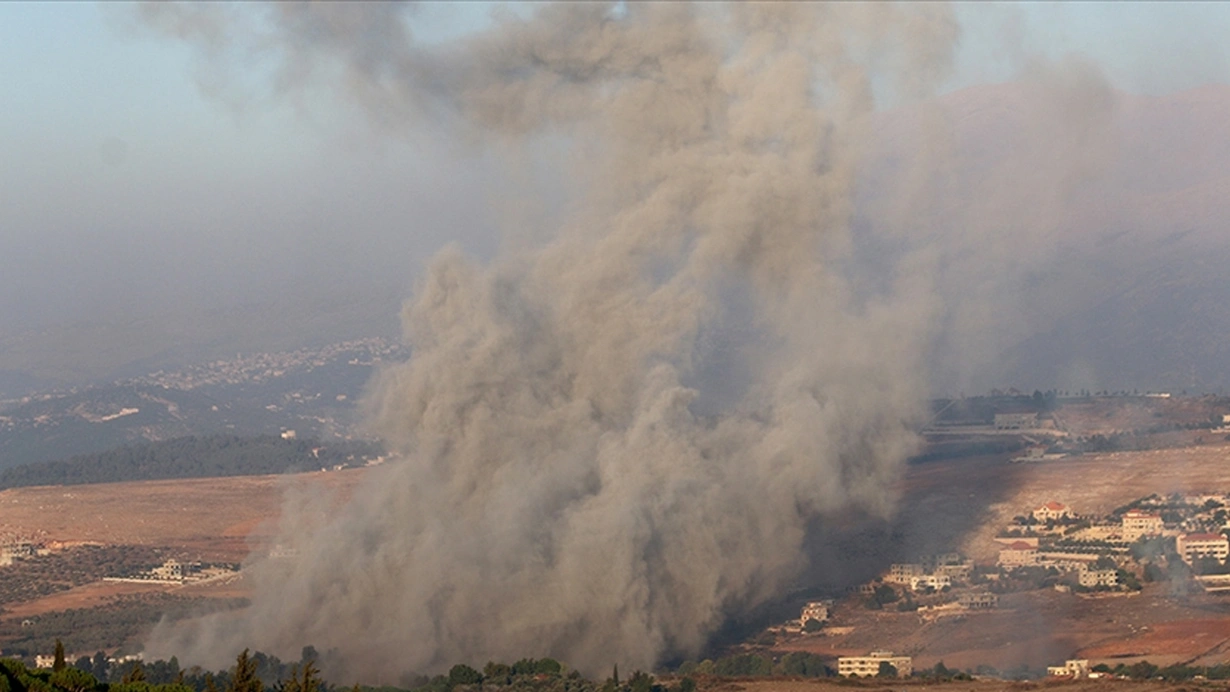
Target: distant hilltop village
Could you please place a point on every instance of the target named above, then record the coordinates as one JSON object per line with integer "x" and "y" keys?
{"x": 262, "y": 367}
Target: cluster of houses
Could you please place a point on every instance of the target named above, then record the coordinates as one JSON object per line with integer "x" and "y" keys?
{"x": 933, "y": 573}
{"x": 1092, "y": 551}
{"x": 1053, "y": 535}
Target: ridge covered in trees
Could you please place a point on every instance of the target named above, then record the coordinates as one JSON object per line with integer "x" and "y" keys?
{"x": 193, "y": 457}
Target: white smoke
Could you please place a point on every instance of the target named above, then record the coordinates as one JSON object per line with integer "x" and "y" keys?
{"x": 611, "y": 441}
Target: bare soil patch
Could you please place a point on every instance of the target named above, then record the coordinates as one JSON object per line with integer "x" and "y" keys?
{"x": 211, "y": 519}
{"x": 1098, "y": 483}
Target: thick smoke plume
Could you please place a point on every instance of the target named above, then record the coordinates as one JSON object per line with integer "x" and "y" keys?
{"x": 611, "y": 440}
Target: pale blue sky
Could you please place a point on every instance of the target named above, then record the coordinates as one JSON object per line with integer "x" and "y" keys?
{"x": 124, "y": 184}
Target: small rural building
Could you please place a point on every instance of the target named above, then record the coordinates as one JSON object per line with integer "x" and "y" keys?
{"x": 814, "y": 610}
{"x": 933, "y": 581}
{"x": 171, "y": 570}
{"x": 1052, "y": 511}
{"x": 978, "y": 601}
{"x": 1074, "y": 668}
{"x": 1015, "y": 421}
{"x": 869, "y": 665}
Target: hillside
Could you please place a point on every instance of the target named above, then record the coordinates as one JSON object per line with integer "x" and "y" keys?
{"x": 194, "y": 457}
{"x": 309, "y": 391}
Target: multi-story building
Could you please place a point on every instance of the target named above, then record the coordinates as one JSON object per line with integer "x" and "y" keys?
{"x": 978, "y": 601}
{"x": 814, "y": 610}
{"x": 869, "y": 665}
{"x": 171, "y": 570}
{"x": 1019, "y": 554}
{"x": 44, "y": 661}
{"x": 902, "y": 573}
{"x": 1137, "y": 523}
{"x": 1192, "y": 546}
{"x": 1098, "y": 577}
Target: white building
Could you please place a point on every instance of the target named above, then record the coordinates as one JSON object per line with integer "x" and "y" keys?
{"x": 1074, "y": 668}
{"x": 1192, "y": 546}
{"x": 1137, "y": 523}
{"x": 869, "y": 665}
{"x": 814, "y": 610}
{"x": 171, "y": 570}
{"x": 902, "y": 573}
{"x": 1098, "y": 577}
{"x": 41, "y": 661}
{"x": 934, "y": 581}
{"x": 978, "y": 601}
{"x": 1019, "y": 554}
{"x": 1052, "y": 510}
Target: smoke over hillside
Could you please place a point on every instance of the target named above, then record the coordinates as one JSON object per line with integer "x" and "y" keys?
{"x": 613, "y": 434}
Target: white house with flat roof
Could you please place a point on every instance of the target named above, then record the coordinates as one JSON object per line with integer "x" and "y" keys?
{"x": 869, "y": 665}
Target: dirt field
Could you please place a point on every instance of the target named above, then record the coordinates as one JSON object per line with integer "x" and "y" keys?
{"x": 1041, "y": 628}
{"x": 1098, "y": 483}
{"x": 103, "y": 592}
{"x": 958, "y": 504}
{"x": 211, "y": 519}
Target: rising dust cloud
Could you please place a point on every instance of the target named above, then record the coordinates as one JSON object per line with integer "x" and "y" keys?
{"x": 611, "y": 440}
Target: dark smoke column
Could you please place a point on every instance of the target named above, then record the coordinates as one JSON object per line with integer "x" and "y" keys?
{"x": 559, "y": 491}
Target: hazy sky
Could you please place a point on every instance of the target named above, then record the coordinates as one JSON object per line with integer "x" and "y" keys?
{"x": 137, "y": 178}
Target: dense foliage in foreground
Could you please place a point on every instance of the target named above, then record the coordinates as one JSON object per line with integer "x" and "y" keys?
{"x": 261, "y": 673}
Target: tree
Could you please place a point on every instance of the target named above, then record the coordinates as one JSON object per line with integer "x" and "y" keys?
{"x": 687, "y": 685}
{"x": 134, "y": 674}
{"x": 812, "y": 625}
{"x": 887, "y": 670}
{"x": 244, "y": 679}
{"x": 461, "y": 674}
{"x": 1142, "y": 670}
{"x": 311, "y": 677}
{"x": 640, "y": 682}
{"x": 100, "y": 666}
{"x": 496, "y": 672}
{"x": 59, "y": 664}
{"x": 72, "y": 680}
{"x": 885, "y": 594}
{"x": 291, "y": 684}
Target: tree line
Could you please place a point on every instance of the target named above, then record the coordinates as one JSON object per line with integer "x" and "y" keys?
{"x": 193, "y": 457}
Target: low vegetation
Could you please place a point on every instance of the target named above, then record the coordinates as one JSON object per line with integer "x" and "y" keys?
{"x": 117, "y": 624}
{"x": 193, "y": 457}
{"x": 43, "y": 575}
